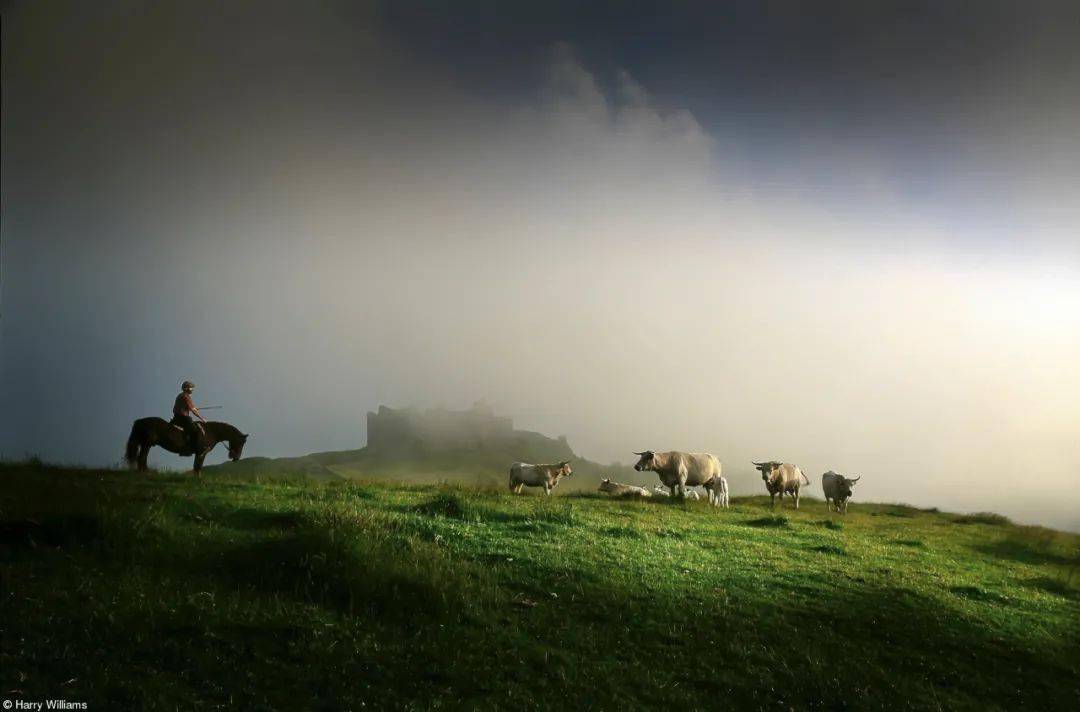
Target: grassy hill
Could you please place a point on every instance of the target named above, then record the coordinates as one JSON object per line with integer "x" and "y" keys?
{"x": 162, "y": 592}
{"x": 486, "y": 467}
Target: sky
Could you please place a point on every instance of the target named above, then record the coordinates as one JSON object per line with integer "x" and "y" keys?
{"x": 845, "y": 235}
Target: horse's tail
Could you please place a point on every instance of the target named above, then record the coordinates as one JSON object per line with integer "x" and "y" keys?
{"x": 131, "y": 453}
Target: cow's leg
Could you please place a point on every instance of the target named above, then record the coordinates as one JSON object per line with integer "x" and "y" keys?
{"x": 795, "y": 494}
{"x": 547, "y": 489}
{"x": 772, "y": 500}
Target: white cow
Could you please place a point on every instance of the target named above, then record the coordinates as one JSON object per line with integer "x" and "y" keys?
{"x": 546, "y": 476}
{"x": 678, "y": 470}
{"x": 837, "y": 490}
{"x": 616, "y": 489}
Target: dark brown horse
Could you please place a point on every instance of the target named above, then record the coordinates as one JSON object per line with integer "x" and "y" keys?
{"x": 148, "y": 432}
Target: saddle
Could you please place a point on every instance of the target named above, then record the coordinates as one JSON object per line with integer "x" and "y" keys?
{"x": 189, "y": 448}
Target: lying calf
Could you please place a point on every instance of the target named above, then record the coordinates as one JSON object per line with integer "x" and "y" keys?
{"x": 619, "y": 490}
{"x": 665, "y": 492}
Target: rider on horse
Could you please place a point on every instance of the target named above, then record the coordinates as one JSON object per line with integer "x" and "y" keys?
{"x": 183, "y": 409}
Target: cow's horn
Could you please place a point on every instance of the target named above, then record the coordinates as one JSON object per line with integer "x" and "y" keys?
{"x": 640, "y": 453}
{"x": 856, "y": 479}
{"x": 758, "y": 464}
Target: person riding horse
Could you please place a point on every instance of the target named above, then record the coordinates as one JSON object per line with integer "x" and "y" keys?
{"x": 183, "y": 409}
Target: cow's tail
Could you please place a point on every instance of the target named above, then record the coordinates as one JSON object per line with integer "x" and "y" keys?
{"x": 803, "y": 475}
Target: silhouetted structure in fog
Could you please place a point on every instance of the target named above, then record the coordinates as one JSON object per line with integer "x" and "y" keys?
{"x": 411, "y": 429}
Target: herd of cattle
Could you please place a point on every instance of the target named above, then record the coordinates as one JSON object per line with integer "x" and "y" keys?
{"x": 679, "y": 471}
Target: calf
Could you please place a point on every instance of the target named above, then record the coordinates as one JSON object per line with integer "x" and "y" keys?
{"x": 664, "y": 492}
{"x": 718, "y": 492}
{"x": 546, "y": 476}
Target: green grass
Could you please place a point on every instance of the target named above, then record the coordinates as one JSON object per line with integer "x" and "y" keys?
{"x": 485, "y": 467}
{"x": 162, "y": 592}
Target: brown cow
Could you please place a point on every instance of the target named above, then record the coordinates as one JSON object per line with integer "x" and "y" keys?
{"x": 781, "y": 477}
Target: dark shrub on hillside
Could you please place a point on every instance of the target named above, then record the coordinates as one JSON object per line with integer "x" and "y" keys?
{"x": 990, "y": 518}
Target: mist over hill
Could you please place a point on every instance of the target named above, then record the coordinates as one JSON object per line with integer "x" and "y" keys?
{"x": 473, "y": 446}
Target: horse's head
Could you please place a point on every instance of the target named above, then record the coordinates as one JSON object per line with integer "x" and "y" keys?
{"x": 236, "y": 446}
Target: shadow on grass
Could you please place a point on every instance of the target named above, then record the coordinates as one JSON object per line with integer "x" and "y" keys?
{"x": 398, "y": 579}
{"x": 252, "y": 519}
{"x": 775, "y": 521}
{"x": 623, "y": 532}
{"x": 1034, "y": 551}
{"x": 1058, "y": 587}
{"x": 978, "y": 593}
{"x": 900, "y": 510}
{"x": 52, "y": 531}
{"x": 453, "y": 505}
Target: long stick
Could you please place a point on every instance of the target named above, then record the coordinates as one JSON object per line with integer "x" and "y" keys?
{"x": 211, "y": 407}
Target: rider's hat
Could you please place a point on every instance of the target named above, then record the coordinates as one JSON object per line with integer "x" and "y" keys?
{"x": 186, "y": 384}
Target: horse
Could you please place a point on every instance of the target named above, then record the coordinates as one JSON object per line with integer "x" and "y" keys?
{"x": 148, "y": 432}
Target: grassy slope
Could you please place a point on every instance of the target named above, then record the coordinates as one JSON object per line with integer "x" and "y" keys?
{"x": 485, "y": 468}
{"x": 159, "y": 591}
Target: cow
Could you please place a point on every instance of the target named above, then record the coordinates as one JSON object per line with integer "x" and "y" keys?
{"x": 677, "y": 470}
{"x": 546, "y": 476}
{"x": 781, "y": 477}
{"x": 718, "y": 492}
{"x": 616, "y": 489}
{"x": 664, "y": 492}
{"x": 837, "y": 490}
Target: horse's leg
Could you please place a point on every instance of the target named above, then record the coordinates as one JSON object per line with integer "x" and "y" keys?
{"x": 198, "y": 463}
{"x": 144, "y": 452}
